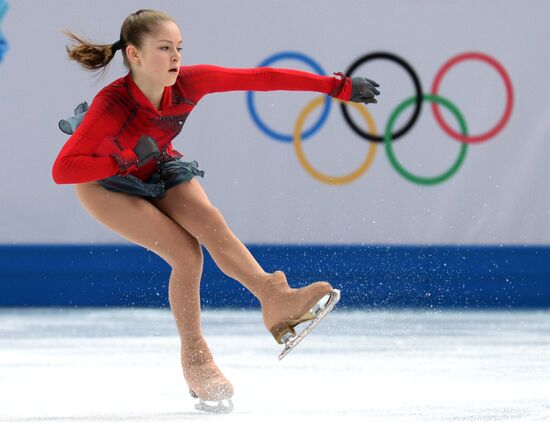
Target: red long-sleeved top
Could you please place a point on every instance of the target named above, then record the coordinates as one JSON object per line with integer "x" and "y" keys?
{"x": 120, "y": 114}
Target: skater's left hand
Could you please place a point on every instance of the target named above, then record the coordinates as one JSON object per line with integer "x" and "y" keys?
{"x": 363, "y": 90}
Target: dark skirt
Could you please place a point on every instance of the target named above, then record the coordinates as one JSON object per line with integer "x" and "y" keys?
{"x": 167, "y": 175}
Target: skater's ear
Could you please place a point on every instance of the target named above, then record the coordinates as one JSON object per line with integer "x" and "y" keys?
{"x": 133, "y": 55}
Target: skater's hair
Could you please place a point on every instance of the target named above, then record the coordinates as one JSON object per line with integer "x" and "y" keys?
{"x": 135, "y": 28}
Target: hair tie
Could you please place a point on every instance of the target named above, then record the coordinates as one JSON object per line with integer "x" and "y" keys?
{"x": 117, "y": 45}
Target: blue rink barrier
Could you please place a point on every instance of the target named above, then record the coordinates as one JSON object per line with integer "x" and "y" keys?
{"x": 468, "y": 277}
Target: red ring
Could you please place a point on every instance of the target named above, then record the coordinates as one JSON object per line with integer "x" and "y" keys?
{"x": 509, "y": 97}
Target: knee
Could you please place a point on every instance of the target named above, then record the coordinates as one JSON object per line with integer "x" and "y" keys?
{"x": 187, "y": 255}
{"x": 194, "y": 251}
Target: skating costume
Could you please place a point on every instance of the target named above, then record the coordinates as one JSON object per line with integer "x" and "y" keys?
{"x": 101, "y": 148}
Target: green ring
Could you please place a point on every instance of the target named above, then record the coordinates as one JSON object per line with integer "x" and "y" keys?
{"x": 389, "y": 149}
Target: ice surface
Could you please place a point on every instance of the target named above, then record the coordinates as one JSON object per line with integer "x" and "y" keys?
{"x": 123, "y": 365}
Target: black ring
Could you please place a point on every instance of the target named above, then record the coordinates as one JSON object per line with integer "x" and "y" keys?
{"x": 417, "y": 105}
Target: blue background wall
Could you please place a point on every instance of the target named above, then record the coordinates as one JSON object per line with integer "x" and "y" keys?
{"x": 369, "y": 276}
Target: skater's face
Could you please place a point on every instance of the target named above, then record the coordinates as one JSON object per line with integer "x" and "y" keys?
{"x": 159, "y": 57}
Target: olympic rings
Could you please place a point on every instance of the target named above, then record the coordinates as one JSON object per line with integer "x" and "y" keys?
{"x": 322, "y": 177}
{"x": 509, "y": 97}
{"x": 417, "y": 87}
{"x": 388, "y": 136}
{"x": 250, "y": 98}
{"x": 393, "y": 160}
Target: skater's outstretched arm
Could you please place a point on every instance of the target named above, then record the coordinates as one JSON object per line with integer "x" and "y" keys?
{"x": 205, "y": 79}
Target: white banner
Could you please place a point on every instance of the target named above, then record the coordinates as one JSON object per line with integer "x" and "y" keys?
{"x": 487, "y": 59}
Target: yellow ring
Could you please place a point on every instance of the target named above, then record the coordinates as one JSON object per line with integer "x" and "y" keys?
{"x": 322, "y": 177}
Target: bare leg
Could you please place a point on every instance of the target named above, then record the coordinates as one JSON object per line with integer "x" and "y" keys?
{"x": 140, "y": 222}
{"x": 188, "y": 204}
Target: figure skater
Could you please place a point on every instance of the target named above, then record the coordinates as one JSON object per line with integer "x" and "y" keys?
{"x": 129, "y": 178}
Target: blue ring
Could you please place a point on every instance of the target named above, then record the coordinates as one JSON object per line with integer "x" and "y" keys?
{"x": 252, "y": 109}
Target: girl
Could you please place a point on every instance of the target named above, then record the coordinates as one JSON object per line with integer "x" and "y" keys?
{"x": 129, "y": 178}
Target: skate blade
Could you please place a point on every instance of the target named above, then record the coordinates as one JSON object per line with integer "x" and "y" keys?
{"x": 320, "y": 310}
{"x": 219, "y": 406}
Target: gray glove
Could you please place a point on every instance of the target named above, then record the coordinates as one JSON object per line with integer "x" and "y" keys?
{"x": 363, "y": 90}
{"x": 70, "y": 124}
{"x": 146, "y": 150}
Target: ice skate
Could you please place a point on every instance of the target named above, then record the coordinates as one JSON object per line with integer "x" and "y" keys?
{"x": 284, "y": 308}
{"x": 205, "y": 380}
{"x": 320, "y": 310}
